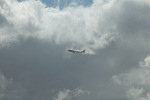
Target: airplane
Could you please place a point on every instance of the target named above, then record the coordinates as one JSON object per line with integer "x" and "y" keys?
{"x": 76, "y": 51}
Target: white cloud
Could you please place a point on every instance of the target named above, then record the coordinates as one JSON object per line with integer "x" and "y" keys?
{"x": 91, "y": 28}
{"x": 78, "y": 26}
{"x": 146, "y": 62}
{"x": 68, "y": 94}
{"x": 136, "y": 81}
{"x": 138, "y": 94}
{"x": 63, "y": 95}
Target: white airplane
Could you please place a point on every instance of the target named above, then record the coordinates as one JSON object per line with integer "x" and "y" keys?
{"x": 76, "y": 51}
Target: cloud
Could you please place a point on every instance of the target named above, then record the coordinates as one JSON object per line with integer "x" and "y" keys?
{"x": 138, "y": 94}
{"x": 69, "y": 95}
{"x": 136, "y": 81}
{"x": 76, "y": 26}
{"x": 10, "y": 90}
{"x": 120, "y": 27}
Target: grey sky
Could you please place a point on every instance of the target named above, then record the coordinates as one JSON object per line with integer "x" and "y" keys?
{"x": 34, "y": 63}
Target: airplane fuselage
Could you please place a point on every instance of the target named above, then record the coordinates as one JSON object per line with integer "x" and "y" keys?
{"x": 76, "y": 51}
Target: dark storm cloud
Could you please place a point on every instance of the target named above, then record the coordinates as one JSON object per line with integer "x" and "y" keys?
{"x": 135, "y": 17}
{"x": 10, "y": 90}
{"x": 43, "y": 70}
{"x": 38, "y": 66}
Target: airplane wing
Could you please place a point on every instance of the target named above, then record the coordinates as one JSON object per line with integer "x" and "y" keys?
{"x": 74, "y": 51}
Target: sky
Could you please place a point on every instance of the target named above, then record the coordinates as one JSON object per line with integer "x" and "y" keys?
{"x": 35, "y": 36}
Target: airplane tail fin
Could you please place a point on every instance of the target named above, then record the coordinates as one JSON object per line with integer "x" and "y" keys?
{"x": 83, "y": 51}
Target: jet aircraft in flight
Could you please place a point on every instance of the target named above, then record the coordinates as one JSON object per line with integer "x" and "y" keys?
{"x": 76, "y": 51}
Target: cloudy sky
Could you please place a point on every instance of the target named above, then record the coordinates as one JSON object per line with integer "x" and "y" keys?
{"x": 35, "y": 36}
